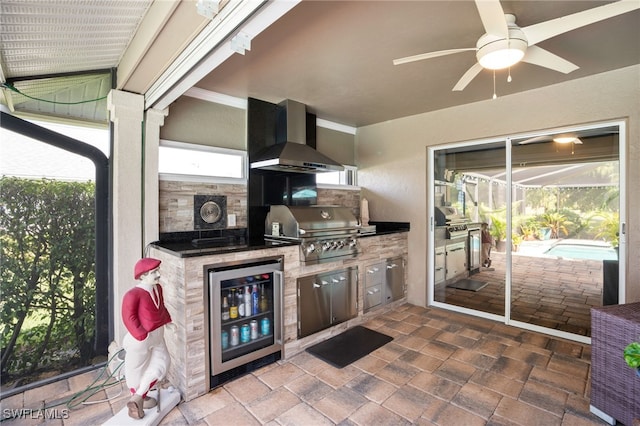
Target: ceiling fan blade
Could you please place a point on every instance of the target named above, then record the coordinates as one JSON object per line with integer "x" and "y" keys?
{"x": 536, "y": 139}
{"x": 468, "y": 76}
{"x": 430, "y": 55}
{"x": 492, "y": 16}
{"x": 541, "y": 57}
{"x": 544, "y": 30}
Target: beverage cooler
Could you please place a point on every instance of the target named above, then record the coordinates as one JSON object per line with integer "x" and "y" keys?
{"x": 245, "y": 316}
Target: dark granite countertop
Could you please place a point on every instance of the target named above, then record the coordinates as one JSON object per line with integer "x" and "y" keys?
{"x": 188, "y": 249}
{"x": 383, "y": 228}
{"x": 184, "y": 245}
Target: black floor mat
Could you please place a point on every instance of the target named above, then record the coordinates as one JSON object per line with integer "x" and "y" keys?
{"x": 467, "y": 284}
{"x": 350, "y": 346}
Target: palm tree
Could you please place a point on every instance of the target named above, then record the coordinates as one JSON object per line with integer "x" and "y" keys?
{"x": 607, "y": 224}
{"x": 555, "y": 221}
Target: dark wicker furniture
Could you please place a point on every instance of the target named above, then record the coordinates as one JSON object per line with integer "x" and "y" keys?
{"x": 615, "y": 388}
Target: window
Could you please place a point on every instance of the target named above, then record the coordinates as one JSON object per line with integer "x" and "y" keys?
{"x": 347, "y": 177}
{"x": 200, "y": 161}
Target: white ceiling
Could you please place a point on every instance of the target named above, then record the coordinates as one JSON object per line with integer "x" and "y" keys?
{"x": 50, "y": 37}
{"x": 333, "y": 56}
{"x": 336, "y": 57}
{"x": 46, "y": 45}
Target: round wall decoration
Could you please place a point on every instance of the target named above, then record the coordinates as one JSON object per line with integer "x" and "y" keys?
{"x": 209, "y": 212}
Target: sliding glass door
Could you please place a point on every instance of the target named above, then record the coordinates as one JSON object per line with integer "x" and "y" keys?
{"x": 552, "y": 211}
{"x": 463, "y": 199}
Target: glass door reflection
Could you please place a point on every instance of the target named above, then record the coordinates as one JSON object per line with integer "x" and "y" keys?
{"x": 553, "y": 211}
{"x": 565, "y": 217}
{"x": 463, "y": 200}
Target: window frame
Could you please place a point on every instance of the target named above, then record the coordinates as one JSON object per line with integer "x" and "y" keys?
{"x": 166, "y": 143}
{"x": 348, "y": 179}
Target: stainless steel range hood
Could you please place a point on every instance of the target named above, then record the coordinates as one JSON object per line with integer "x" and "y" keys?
{"x": 291, "y": 153}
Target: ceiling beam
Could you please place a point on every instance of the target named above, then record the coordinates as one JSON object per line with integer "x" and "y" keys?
{"x": 213, "y": 46}
{"x": 151, "y": 26}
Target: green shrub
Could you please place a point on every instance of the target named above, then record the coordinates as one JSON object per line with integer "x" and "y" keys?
{"x": 47, "y": 248}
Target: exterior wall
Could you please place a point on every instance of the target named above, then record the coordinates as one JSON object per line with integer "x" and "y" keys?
{"x": 336, "y": 145}
{"x": 205, "y": 123}
{"x": 202, "y": 122}
{"x": 392, "y": 156}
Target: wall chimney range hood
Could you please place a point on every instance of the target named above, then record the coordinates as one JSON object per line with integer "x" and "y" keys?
{"x": 291, "y": 153}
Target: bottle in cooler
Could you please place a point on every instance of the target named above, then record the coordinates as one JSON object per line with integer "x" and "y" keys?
{"x": 233, "y": 307}
{"x": 247, "y": 301}
{"x": 255, "y": 306}
{"x": 240, "y": 302}
{"x": 225, "y": 309}
{"x": 264, "y": 303}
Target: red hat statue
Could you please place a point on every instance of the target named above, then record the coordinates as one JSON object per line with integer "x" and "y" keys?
{"x": 144, "y": 265}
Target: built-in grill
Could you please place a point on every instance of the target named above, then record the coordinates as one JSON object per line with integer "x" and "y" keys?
{"x": 456, "y": 241}
{"x": 455, "y": 225}
{"x": 325, "y": 233}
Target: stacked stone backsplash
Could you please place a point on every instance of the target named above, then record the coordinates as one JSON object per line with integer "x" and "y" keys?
{"x": 340, "y": 197}
{"x": 176, "y": 202}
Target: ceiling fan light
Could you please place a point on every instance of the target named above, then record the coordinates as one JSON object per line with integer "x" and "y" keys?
{"x": 564, "y": 139}
{"x": 500, "y": 54}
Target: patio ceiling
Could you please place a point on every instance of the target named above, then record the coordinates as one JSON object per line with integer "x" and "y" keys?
{"x": 337, "y": 56}
{"x": 60, "y": 53}
{"x": 582, "y": 175}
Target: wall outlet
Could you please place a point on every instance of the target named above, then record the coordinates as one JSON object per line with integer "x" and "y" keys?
{"x": 231, "y": 220}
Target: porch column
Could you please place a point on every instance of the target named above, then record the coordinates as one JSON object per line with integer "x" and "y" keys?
{"x": 153, "y": 121}
{"x": 126, "y": 113}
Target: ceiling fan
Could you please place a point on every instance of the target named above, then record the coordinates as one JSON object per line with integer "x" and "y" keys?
{"x": 564, "y": 138}
{"x": 571, "y": 137}
{"x": 505, "y": 44}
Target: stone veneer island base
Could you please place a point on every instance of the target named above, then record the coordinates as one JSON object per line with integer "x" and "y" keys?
{"x": 184, "y": 286}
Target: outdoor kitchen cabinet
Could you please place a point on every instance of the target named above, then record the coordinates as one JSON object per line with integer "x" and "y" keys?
{"x": 374, "y": 285}
{"x": 394, "y": 279}
{"x": 326, "y": 299}
{"x": 384, "y": 282}
{"x": 440, "y": 265}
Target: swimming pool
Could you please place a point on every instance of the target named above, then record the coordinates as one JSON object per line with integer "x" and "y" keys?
{"x": 582, "y": 249}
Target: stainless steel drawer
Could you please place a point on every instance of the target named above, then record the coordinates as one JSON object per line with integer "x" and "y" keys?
{"x": 372, "y": 296}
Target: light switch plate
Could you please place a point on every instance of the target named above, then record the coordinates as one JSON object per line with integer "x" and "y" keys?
{"x": 231, "y": 220}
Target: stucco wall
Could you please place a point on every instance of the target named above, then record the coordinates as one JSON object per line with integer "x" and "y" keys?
{"x": 392, "y": 156}
{"x": 207, "y": 123}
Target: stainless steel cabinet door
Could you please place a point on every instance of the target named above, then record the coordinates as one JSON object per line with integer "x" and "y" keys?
{"x": 395, "y": 279}
{"x": 440, "y": 265}
{"x": 314, "y": 304}
{"x": 374, "y": 285}
{"x": 456, "y": 259}
{"x": 344, "y": 295}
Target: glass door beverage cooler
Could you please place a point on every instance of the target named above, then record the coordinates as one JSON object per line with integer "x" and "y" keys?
{"x": 245, "y": 316}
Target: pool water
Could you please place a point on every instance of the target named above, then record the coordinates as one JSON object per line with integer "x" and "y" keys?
{"x": 578, "y": 251}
